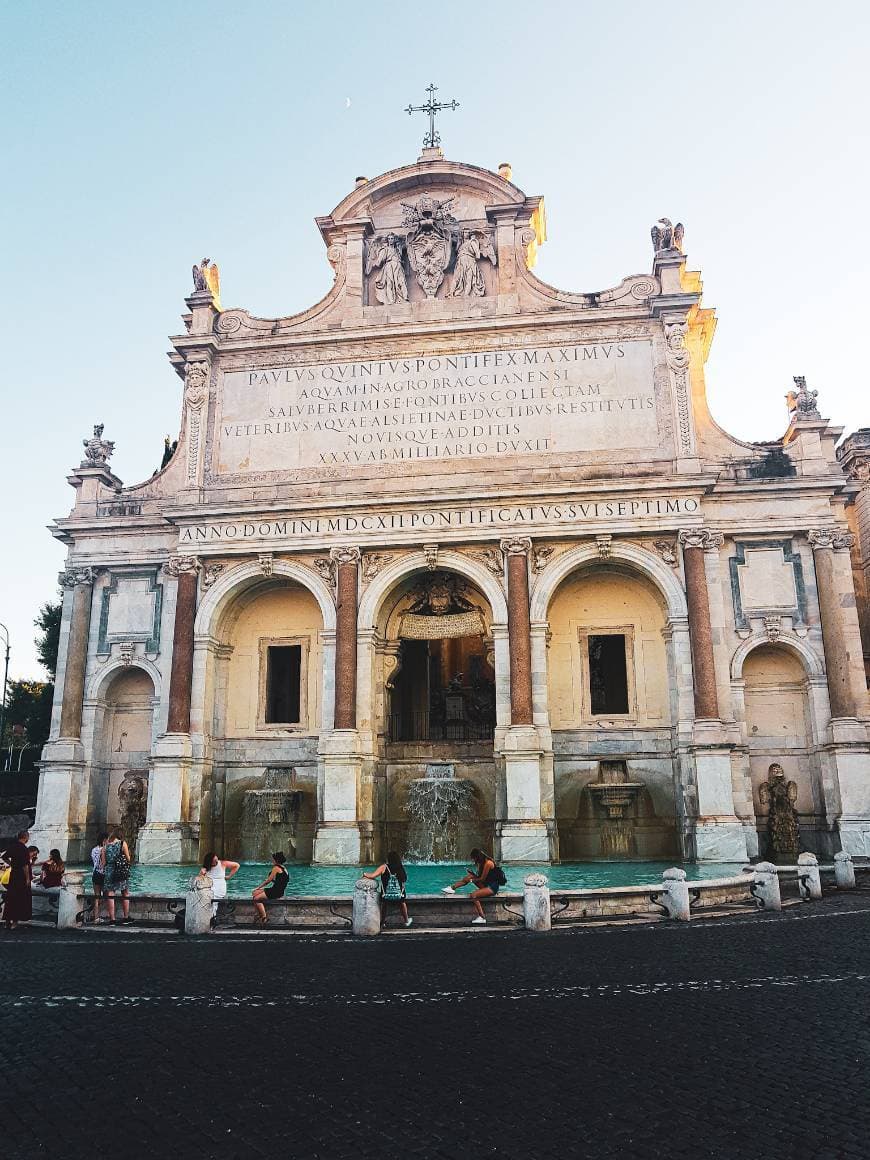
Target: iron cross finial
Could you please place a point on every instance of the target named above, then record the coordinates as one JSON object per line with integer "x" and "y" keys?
{"x": 432, "y": 139}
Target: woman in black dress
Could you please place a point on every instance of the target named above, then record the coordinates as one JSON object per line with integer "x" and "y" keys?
{"x": 273, "y": 887}
{"x": 18, "y": 904}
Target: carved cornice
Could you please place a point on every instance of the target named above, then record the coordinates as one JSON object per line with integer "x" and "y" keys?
{"x": 820, "y": 538}
{"x": 72, "y": 577}
{"x": 516, "y": 545}
{"x": 701, "y": 538}
{"x": 179, "y": 565}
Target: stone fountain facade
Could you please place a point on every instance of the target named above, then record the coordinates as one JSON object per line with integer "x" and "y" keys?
{"x": 452, "y": 496}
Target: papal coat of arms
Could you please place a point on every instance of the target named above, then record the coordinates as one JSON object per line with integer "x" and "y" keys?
{"x": 430, "y": 241}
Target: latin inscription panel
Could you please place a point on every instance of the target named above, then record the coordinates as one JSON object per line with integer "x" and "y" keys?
{"x": 588, "y": 397}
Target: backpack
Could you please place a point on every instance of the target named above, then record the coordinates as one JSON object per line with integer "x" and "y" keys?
{"x": 393, "y": 889}
{"x": 121, "y": 865}
{"x": 500, "y": 876}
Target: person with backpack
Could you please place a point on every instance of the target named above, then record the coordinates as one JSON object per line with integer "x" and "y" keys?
{"x": 116, "y": 864}
{"x": 487, "y": 878}
{"x": 393, "y": 877}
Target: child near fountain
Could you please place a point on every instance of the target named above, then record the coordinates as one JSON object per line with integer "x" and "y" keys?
{"x": 487, "y": 878}
{"x": 272, "y": 887}
{"x": 393, "y": 877}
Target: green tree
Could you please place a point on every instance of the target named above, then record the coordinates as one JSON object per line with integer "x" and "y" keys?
{"x": 28, "y": 713}
{"x": 48, "y": 640}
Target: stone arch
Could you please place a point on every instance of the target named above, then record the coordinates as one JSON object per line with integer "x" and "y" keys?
{"x": 448, "y": 561}
{"x": 809, "y": 658}
{"x": 103, "y": 677}
{"x": 219, "y": 597}
{"x": 649, "y": 565}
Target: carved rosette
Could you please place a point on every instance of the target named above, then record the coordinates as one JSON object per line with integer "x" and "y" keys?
{"x": 72, "y": 577}
{"x": 701, "y": 538}
{"x": 516, "y": 545}
{"x": 829, "y": 538}
{"x": 176, "y": 565}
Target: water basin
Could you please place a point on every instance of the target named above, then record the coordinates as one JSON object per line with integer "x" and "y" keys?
{"x": 423, "y": 878}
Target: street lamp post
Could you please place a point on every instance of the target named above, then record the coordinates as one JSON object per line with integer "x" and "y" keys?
{"x": 5, "y": 683}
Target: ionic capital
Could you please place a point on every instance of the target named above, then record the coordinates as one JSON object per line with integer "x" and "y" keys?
{"x": 516, "y": 545}
{"x": 701, "y": 538}
{"x": 345, "y": 555}
{"x": 178, "y": 565}
{"x": 820, "y": 538}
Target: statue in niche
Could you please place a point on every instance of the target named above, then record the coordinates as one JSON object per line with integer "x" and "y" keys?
{"x": 467, "y": 277}
{"x": 429, "y": 241}
{"x": 385, "y": 254}
{"x": 783, "y": 830}
{"x": 133, "y": 797}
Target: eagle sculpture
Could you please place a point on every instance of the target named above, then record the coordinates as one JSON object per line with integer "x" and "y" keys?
{"x": 666, "y": 235}
{"x": 206, "y": 278}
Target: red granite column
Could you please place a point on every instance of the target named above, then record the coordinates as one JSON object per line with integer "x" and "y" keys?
{"x": 347, "y": 565}
{"x": 517, "y": 550}
{"x": 700, "y": 630}
{"x": 81, "y": 580}
{"x": 823, "y": 542}
{"x": 184, "y": 568}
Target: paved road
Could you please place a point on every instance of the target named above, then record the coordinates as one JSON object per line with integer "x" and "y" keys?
{"x": 737, "y": 1039}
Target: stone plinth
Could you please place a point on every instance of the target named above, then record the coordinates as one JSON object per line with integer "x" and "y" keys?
{"x": 166, "y": 836}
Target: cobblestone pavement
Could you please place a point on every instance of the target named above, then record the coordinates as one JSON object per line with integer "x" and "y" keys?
{"x": 738, "y": 1039}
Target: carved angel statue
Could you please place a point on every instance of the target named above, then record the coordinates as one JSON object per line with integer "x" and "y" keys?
{"x": 385, "y": 254}
{"x": 467, "y": 277}
{"x": 206, "y": 279}
{"x": 666, "y": 235}
{"x": 783, "y": 829}
{"x": 97, "y": 449}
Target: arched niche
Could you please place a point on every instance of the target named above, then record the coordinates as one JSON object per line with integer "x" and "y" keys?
{"x": 124, "y": 735}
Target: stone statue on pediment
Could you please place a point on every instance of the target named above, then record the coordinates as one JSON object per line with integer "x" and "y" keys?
{"x": 429, "y": 241}
{"x": 206, "y": 279}
{"x": 666, "y": 235}
{"x": 97, "y": 449}
{"x": 385, "y": 255}
{"x": 473, "y": 247}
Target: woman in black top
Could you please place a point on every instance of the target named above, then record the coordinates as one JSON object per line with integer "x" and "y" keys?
{"x": 486, "y": 879}
{"x": 272, "y": 887}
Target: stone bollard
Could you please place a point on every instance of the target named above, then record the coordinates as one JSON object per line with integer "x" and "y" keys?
{"x": 809, "y": 878}
{"x": 675, "y": 896}
{"x": 767, "y": 886}
{"x": 536, "y": 902}
{"x": 844, "y": 871}
{"x": 198, "y": 905}
{"x": 69, "y": 904}
{"x": 366, "y": 907}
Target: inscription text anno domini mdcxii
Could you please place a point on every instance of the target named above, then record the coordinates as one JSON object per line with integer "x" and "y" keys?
{"x": 532, "y": 400}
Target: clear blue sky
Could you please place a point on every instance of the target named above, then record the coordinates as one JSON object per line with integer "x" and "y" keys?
{"x": 137, "y": 138}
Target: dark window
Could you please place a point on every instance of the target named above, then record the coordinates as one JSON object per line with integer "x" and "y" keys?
{"x": 283, "y": 671}
{"x": 608, "y": 675}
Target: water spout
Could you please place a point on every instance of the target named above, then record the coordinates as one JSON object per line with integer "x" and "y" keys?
{"x": 436, "y": 805}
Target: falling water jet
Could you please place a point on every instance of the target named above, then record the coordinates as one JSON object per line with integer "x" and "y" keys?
{"x": 436, "y": 803}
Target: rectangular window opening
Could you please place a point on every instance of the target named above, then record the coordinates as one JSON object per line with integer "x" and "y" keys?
{"x": 608, "y": 674}
{"x": 283, "y": 684}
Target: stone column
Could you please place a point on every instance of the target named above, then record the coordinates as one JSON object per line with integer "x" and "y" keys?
{"x": 347, "y": 568}
{"x": 716, "y": 831}
{"x": 522, "y": 834}
{"x": 517, "y": 549}
{"x": 340, "y": 819}
{"x": 824, "y": 542}
{"x": 185, "y": 569}
{"x": 166, "y": 835}
{"x": 695, "y": 543}
{"x": 61, "y": 808}
{"x": 81, "y": 581}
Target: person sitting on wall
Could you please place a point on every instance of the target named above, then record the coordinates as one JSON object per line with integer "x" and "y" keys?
{"x": 393, "y": 878}
{"x": 487, "y": 878}
{"x": 51, "y": 875}
{"x": 272, "y": 887}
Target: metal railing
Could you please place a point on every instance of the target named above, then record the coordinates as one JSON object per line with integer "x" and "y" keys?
{"x": 421, "y": 726}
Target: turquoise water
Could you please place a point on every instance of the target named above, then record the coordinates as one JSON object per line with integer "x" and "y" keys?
{"x": 308, "y": 880}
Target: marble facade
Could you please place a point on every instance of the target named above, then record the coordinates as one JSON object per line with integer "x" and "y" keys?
{"x": 443, "y": 417}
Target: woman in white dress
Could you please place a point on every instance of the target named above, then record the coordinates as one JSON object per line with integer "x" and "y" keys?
{"x": 219, "y": 870}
